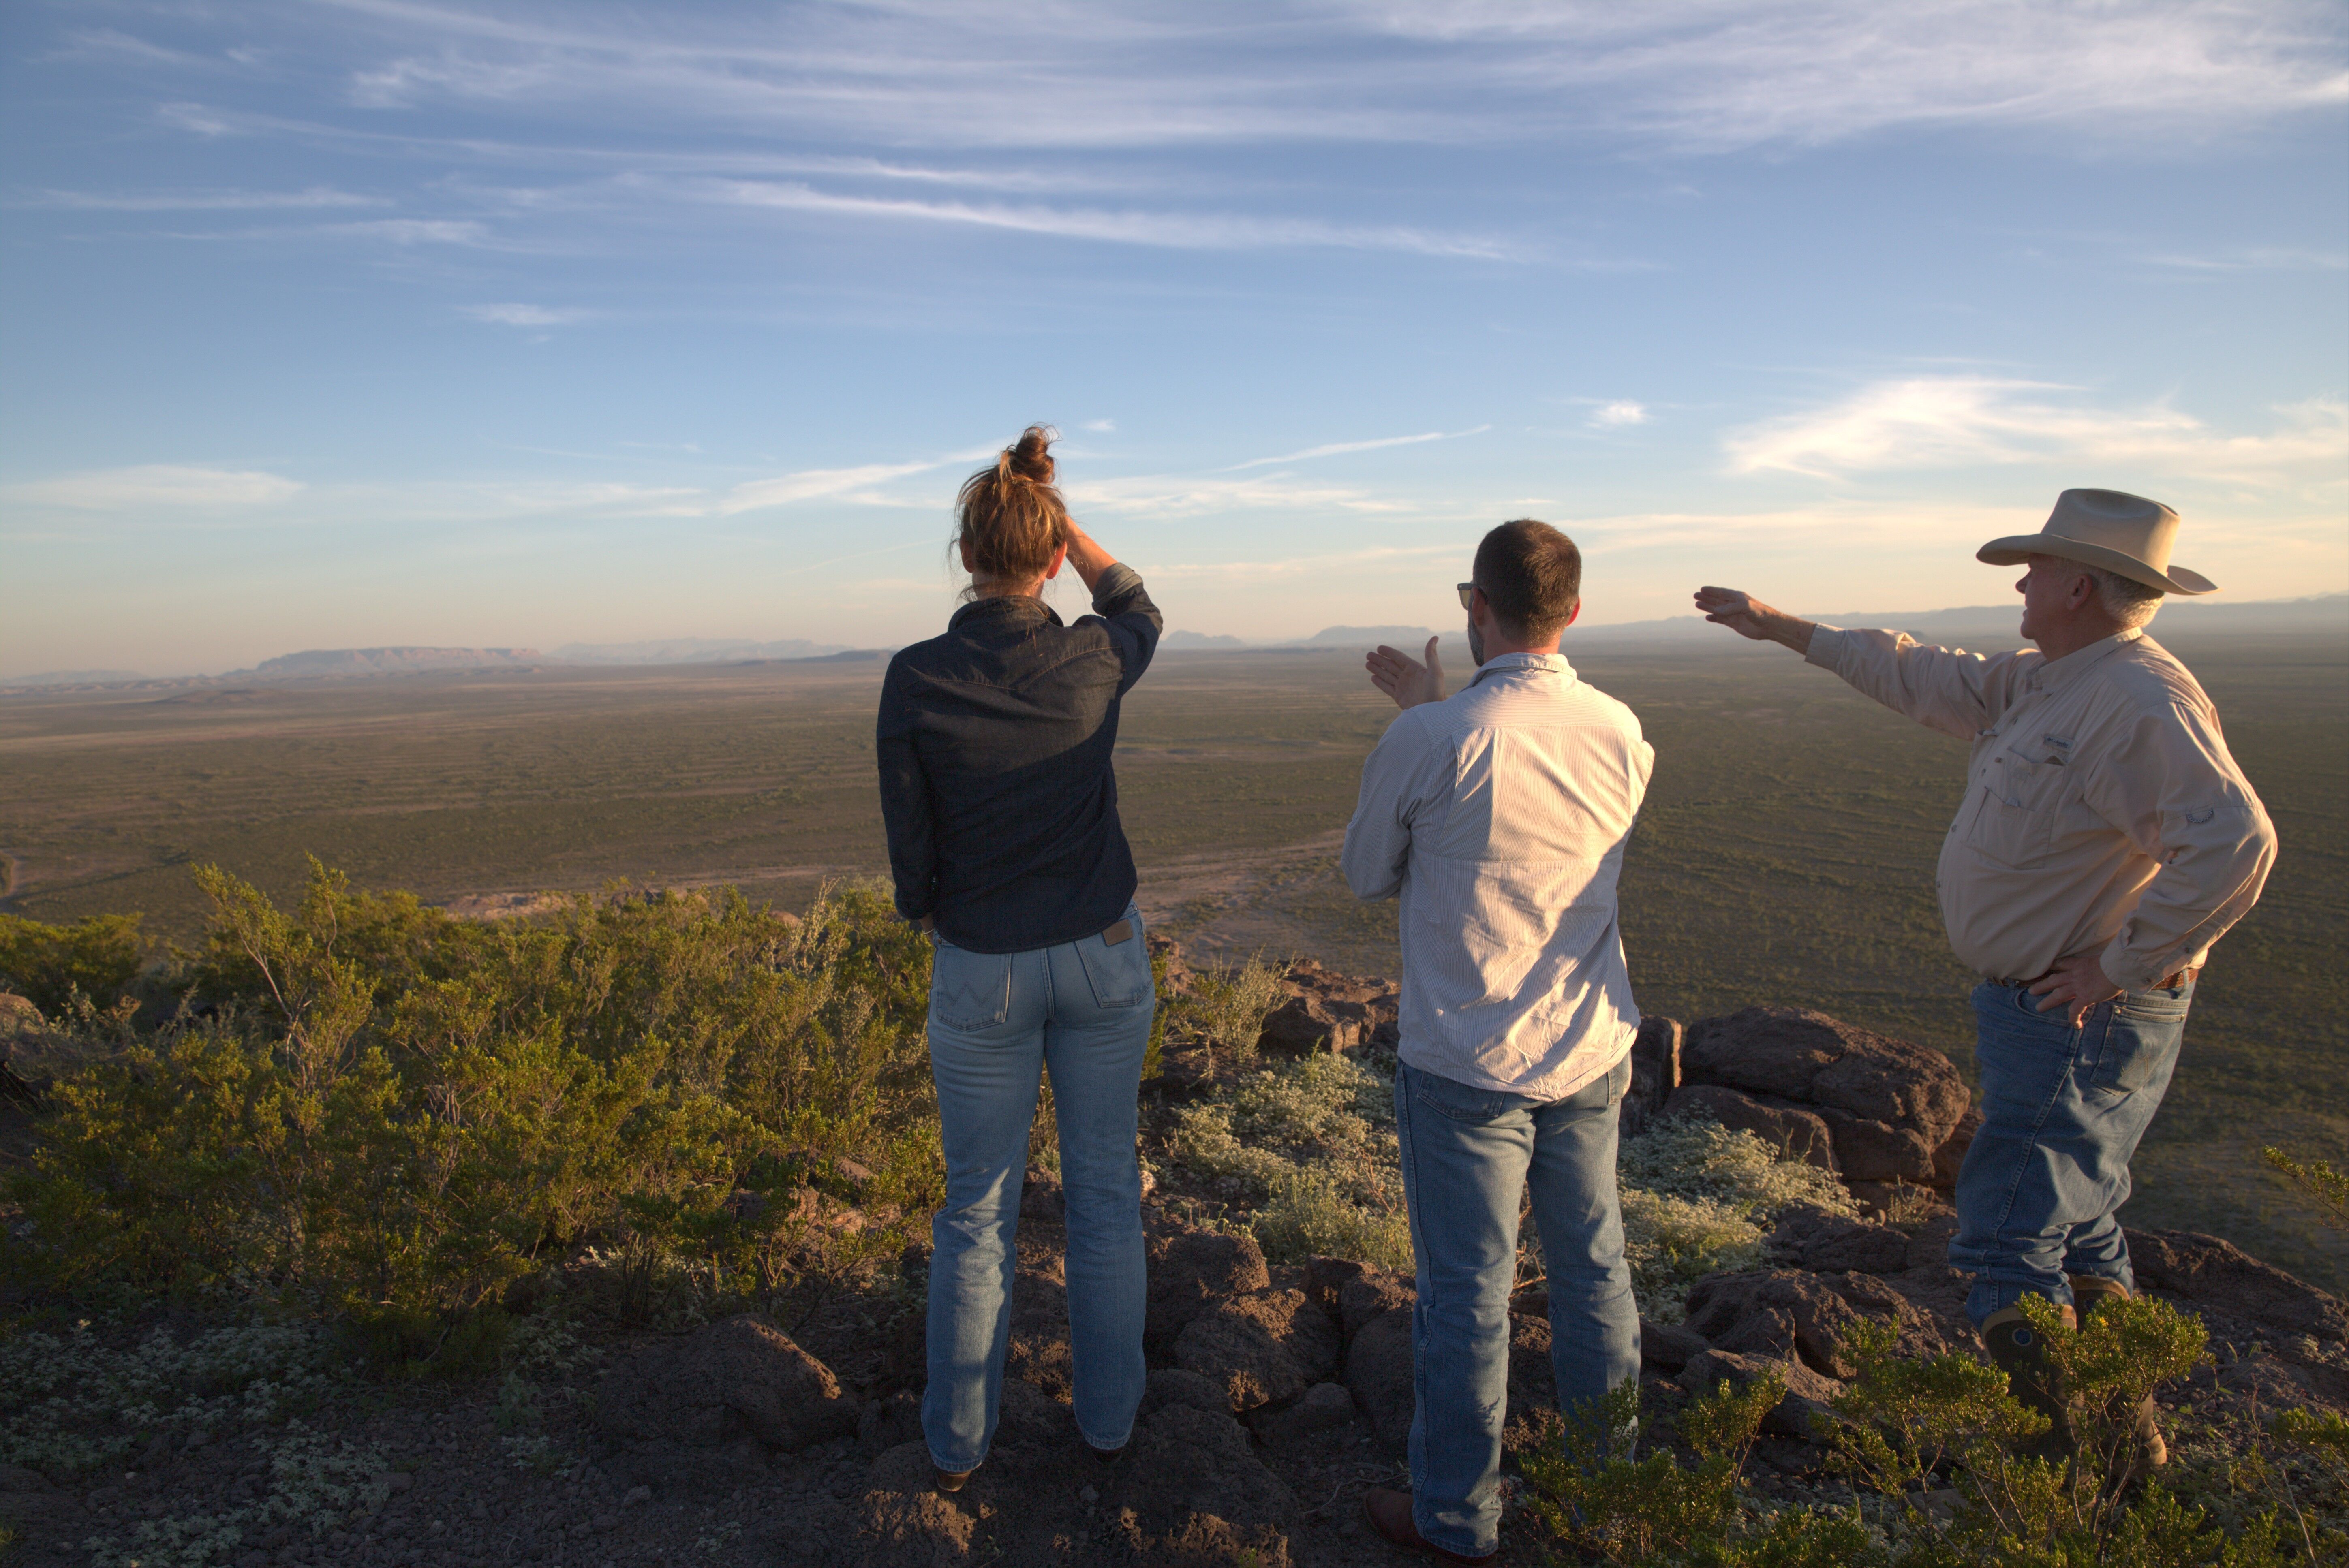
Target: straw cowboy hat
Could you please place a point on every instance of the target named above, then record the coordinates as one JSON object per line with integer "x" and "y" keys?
{"x": 2120, "y": 532}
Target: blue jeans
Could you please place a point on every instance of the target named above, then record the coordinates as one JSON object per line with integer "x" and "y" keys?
{"x": 1083, "y": 1011}
{"x": 1468, "y": 1155}
{"x": 2062, "y": 1109}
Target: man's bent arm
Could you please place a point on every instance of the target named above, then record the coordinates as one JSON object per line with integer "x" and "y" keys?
{"x": 1378, "y": 838}
{"x": 2174, "y": 790}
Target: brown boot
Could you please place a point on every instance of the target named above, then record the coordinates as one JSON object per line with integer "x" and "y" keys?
{"x": 2013, "y": 1345}
{"x": 1389, "y": 1513}
{"x": 2090, "y": 1293}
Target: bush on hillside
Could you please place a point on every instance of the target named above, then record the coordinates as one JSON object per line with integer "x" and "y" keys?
{"x": 393, "y": 1109}
{"x": 50, "y": 964}
{"x": 1932, "y": 1449}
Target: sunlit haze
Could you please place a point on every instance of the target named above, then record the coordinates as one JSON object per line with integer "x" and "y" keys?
{"x": 373, "y": 322}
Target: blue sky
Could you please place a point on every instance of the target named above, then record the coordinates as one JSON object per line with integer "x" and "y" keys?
{"x": 361, "y": 323}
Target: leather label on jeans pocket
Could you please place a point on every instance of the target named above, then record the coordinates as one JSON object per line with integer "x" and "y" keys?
{"x": 1122, "y": 932}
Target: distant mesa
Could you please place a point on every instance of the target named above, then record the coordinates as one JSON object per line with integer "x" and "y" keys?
{"x": 694, "y": 651}
{"x": 390, "y": 661}
{"x": 1199, "y": 640}
{"x": 1410, "y": 638}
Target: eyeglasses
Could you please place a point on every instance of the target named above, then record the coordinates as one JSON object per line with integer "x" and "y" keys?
{"x": 1465, "y": 590}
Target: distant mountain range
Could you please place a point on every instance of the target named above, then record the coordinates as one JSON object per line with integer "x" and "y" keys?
{"x": 2000, "y": 624}
{"x": 1981, "y": 625}
{"x": 387, "y": 662}
{"x": 693, "y": 651}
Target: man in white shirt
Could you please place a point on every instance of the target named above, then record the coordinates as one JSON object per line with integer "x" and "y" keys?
{"x": 2106, "y": 842}
{"x": 1499, "y": 817}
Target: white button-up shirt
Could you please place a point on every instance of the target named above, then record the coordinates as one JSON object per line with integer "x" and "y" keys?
{"x": 1500, "y": 814}
{"x": 2103, "y": 813}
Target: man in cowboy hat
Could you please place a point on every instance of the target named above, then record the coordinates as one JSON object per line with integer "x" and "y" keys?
{"x": 2106, "y": 841}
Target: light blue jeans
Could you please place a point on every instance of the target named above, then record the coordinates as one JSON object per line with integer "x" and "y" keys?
{"x": 1083, "y": 1011}
{"x": 2063, "y": 1110}
{"x": 1468, "y": 1155}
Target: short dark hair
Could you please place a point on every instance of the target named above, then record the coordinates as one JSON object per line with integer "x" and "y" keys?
{"x": 1532, "y": 576}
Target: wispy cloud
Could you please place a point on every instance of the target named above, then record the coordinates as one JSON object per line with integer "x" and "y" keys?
{"x": 808, "y": 484}
{"x": 1688, "y": 73}
{"x": 523, "y": 314}
{"x": 2260, "y": 259}
{"x": 1336, "y": 448}
{"x": 1172, "y": 495}
{"x": 1616, "y": 415}
{"x": 193, "y": 200}
{"x": 196, "y": 117}
{"x": 1179, "y": 231}
{"x": 152, "y": 485}
{"x": 419, "y": 230}
{"x": 1958, "y": 422}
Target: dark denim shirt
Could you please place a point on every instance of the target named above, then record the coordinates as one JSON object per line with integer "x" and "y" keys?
{"x": 994, "y": 742}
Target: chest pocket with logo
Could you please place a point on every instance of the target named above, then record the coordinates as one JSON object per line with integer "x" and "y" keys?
{"x": 2014, "y": 815}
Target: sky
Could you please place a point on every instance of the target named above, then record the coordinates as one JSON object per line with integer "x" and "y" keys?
{"x": 359, "y": 323}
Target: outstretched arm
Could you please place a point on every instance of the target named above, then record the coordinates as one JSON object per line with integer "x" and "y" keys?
{"x": 1749, "y": 617}
{"x": 1948, "y": 689}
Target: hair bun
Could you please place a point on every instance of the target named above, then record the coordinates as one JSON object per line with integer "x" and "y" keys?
{"x": 1030, "y": 457}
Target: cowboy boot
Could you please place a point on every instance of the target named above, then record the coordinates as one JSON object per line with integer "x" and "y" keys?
{"x": 2090, "y": 1293}
{"x": 2014, "y": 1347}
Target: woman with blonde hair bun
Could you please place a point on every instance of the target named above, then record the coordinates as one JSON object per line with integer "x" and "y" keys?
{"x": 994, "y": 743}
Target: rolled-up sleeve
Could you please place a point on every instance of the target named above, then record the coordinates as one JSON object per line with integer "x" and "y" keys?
{"x": 1134, "y": 622}
{"x": 2171, "y": 785}
{"x": 904, "y": 803}
{"x": 1378, "y": 840}
{"x": 1947, "y": 689}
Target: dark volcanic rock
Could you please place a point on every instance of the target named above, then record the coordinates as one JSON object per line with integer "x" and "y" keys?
{"x": 743, "y": 1375}
{"x": 1807, "y": 1393}
{"x": 1189, "y": 1269}
{"x": 1325, "y": 1277}
{"x": 1655, "y": 1072}
{"x": 1365, "y": 1298}
{"x": 1261, "y": 1349}
{"x": 2208, "y": 1269}
{"x": 1798, "y": 1053}
{"x": 1789, "y": 1312}
{"x": 1879, "y": 1151}
{"x": 1195, "y": 1491}
{"x": 1793, "y": 1130}
{"x": 1669, "y": 1346}
{"x": 1833, "y": 1243}
{"x": 1950, "y": 1157}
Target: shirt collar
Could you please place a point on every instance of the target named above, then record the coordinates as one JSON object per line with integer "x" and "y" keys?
{"x": 2054, "y": 674}
{"x": 1554, "y": 664}
{"x": 1009, "y": 607}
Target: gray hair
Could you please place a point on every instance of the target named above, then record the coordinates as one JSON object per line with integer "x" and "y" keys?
{"x": 2127, "y": 600}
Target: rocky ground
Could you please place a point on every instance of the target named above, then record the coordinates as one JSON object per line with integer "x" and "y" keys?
{"x": 1277, "y": 1393}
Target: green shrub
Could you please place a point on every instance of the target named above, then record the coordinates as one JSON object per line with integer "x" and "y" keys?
{"x": 1697, "y": 1197}
{"x": 1931, "y": 1447}
{"x": 397, "y": 1112}
{"x": 1308, "y": 1213}
{"x": 49, "y": 964}
{"x": 2325, "y": 1187}
{"x": 1225, "y": 1008}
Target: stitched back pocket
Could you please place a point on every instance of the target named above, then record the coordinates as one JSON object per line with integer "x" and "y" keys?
{"x": 969, "y": 990}
{"x": 1120, "y": 975}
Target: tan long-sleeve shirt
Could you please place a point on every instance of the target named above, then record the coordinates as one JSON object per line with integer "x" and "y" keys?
{"x": 2102, "y": 812}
